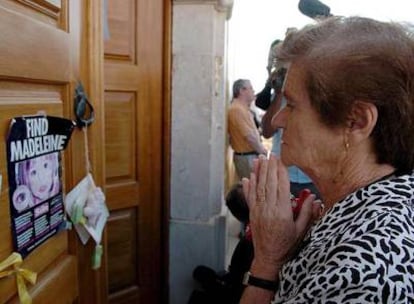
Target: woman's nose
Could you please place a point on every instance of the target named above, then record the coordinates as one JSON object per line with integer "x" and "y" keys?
{"x": 278, "y": 120}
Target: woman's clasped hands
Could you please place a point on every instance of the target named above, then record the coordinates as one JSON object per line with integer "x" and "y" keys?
{"x": 276, "y": 235}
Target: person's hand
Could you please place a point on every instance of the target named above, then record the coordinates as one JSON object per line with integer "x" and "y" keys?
{"x": 276, "y": 234}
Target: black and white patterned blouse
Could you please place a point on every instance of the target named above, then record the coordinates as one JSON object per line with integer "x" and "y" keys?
{"x": 361, "y": 251}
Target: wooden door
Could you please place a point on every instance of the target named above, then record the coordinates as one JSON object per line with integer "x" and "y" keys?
{"x": 133, "y": 149}
{"x": 37, "y": 73}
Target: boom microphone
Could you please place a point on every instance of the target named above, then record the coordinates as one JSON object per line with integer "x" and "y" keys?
{"x": 314, "y": 8}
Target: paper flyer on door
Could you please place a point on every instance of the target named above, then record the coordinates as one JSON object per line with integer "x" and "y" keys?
{"x": 35, "y": 178}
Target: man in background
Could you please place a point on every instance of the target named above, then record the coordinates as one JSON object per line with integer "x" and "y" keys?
{"x": 272, "y": 103}
{"x": 244, "y": 135}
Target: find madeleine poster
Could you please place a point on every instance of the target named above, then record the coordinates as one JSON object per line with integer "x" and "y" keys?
{"x": 35, "y": 178}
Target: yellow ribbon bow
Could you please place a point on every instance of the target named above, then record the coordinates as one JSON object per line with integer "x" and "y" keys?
{"x": 15, "y": 260}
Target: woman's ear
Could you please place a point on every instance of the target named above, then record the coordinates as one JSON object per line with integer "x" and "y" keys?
{"x": 362, "y": 119}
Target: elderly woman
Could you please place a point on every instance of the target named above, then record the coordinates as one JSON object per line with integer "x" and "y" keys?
{"x": 349, "y": 124}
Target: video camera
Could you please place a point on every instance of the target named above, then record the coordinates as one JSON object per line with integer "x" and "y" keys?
{"x": 275, "y": 82}
{"x": 277, "y": 78}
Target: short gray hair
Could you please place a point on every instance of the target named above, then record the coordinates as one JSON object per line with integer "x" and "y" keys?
{"x": 238, "y": 85}
{"x": 356, "y": 58}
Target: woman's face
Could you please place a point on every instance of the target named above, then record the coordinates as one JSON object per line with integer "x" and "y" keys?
{"x": 40, "y": 176}
{"x": 306, "y": 142}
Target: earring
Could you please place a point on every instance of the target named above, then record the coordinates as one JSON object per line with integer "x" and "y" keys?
{"x": 338, "y": 177}
{"x": 346, "y": 145}
{"x": 346, "y": 142}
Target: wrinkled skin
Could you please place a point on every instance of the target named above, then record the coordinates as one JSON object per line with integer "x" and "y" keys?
{"x": 276, "y": 235}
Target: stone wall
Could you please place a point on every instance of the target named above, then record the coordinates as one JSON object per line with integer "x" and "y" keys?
{"x": 197, "y": 224}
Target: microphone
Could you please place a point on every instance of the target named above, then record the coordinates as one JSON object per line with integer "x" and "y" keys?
{"x": 314, "y": 8}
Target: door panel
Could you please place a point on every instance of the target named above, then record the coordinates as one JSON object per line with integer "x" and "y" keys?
{"x": 35, "y": 75}
{"x": 52, "y": 12}
{"x": 133, "y": 149}
{"x": 41, "y": 51}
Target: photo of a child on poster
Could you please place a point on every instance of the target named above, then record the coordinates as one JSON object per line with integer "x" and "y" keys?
{"x": 35, "y": 178}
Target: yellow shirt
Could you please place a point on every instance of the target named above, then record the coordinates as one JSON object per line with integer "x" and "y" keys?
{"x": 240, "y": 123}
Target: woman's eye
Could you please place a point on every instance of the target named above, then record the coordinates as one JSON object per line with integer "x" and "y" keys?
{"x": 33, "y": 172}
